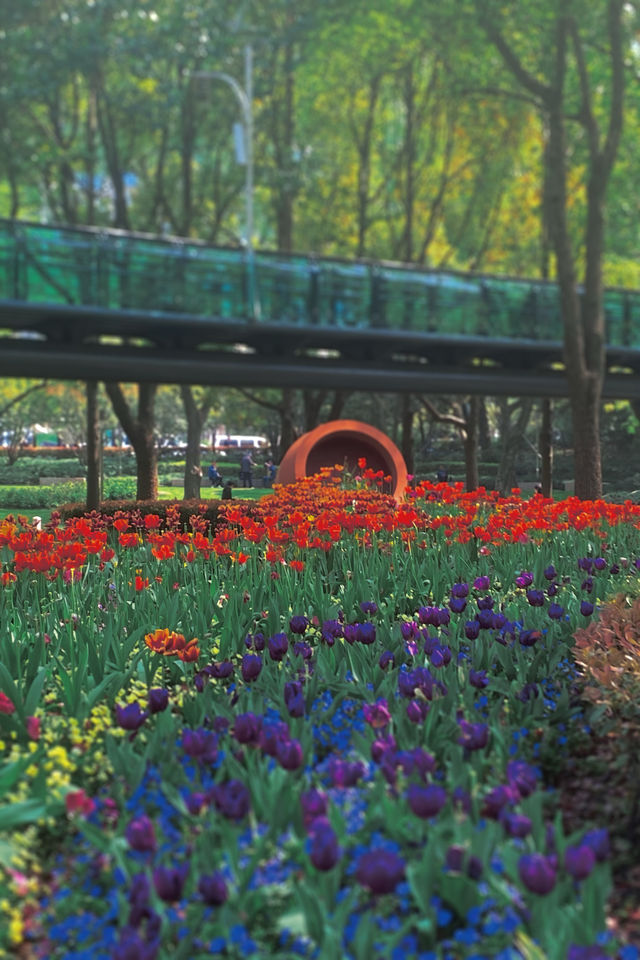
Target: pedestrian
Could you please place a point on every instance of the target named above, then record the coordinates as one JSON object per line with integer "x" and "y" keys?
{"x": 226, "y": 491}
{"x": 269, "y": 474}
{"x": 246, "y": 470}
{"x": 441, "y": 474}
{"x": 215, "y": 477}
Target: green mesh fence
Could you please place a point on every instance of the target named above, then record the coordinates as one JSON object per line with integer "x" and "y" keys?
{"x": 125, "y": 271}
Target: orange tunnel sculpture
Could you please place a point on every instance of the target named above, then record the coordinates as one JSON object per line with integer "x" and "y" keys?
{"x": 344, "y": 442}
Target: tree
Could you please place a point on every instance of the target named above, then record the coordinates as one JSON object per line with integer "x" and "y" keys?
{"x": 571, "y": 42}
{"x": 197, "y": 415}
{"x": 465, "y": 420}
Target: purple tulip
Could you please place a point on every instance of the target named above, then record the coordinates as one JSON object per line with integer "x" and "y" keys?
{"x": 157, "y": 699}
{"x": 600, "y": 563}
{"x": 169, "y": 882}
{"x": 387, "y": 659}
{"x": 140, "y": 834}
{"x": 271, "y": 736}
{"x": 350, "y": 632}
{"x": 528, "y": 692}
{"x": 497, "y": 799}
{"x": 222, "y": 670}
{"x": 131, "y": 946}
{"x": 381, "y": 745}
{"x": 482, "y": 583}
{"x": 485, "y": 603}
{"x": 456, "y": 860}
{"x": 440, "y": 657}
{"x": 478, "y": 679}
{"x": 535, "y": 598}
{"x": 298, "y": 624}
{"x": 517, "y": 824}
{"x": 550, "y": 572}
{"x": 295, "y": 702}
{"x": 460, "y": 590}
{"x": 377, "y": 714}
{"x": 380, "y": 871}
{"x": 485, "y": 619}
{"x": 324, "y": 851}
{"x": 586, "y": 608}
{"x": 409, "y": 630}
{"x": 585, "y": 563}
{"x": 537, "y": 873}
{"x": 200, "y": 744}
{"x": 614, "y": 569}
{"x": 278, "y": 646}
{"x": 232, "y": 799}
{"x": 426, "y": 802}
{"x": 417, "y": 710}
{"x": 457, "y": 604}
{"x": 472, "y": 629}
{"x": 525, "y": 579}
{"x": 598, "y": 840}
{"x": 213, "y": 889}
{"x": 587, "y": 585}
{"x": 131, "y": 717}
{"x": 302, "y": 649}
{"x": 579, "y": 861}
{"x": 473, "y": 736}
{"x": 366, "y": 633}
{"x": 529, "y": 638}
{"x": 314, "y": 804}
{"x": 194, "y": 803}
{"x": 330, "y": 631}
{"x": 247, "y": 728}
{"x": 289, "y": 754}
{"x": 250, "y": 667}
{"x": 369, "y": 607}
{"x": 345, "y": 773}
{"x": 522, "y": 776}
{"x": 555, "y": 611}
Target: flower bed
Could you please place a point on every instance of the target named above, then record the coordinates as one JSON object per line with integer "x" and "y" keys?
{"x": 320, "y": 731}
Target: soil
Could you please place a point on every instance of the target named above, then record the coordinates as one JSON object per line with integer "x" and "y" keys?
{"x": 600, "y": 786}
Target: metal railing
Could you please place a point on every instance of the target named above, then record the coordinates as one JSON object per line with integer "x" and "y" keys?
{"x": 119, "y": 270}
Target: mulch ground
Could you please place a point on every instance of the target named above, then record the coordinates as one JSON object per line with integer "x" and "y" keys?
{"x": 600, "y": 786}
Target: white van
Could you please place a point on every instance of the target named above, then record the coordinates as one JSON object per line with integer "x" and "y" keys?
{"x": 237, "y": 441}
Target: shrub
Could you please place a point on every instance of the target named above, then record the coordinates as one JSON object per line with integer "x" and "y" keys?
{"x": 180, "y": 511}
{"x": 36, "y": 496}
{"x": 607, "y": 652}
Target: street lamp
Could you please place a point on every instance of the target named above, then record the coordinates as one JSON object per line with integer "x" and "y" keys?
{"x": 245, "y": 99}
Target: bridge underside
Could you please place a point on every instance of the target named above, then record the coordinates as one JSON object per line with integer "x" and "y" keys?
{"x": 85, "y": 343}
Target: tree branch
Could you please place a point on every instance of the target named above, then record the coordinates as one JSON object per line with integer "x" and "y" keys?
{"x": 586, "y": 114}
{"x": 617, "y": 85}
{"x": 540, "y": 90}
{"x": 458, "y": 422}
{"x": 21, "y": 396}
{"x": 262, "y": 403}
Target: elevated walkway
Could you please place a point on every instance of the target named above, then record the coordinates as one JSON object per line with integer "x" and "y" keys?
{"x": 91, "y": 303}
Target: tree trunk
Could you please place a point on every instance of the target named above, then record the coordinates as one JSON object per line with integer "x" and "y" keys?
{"x": 287, "y": 427}
{"x": 546, "y": 449}
{"x": 139, "y": 429}
{"x": 94, "y": 448}
{"x": 312, "y": 401}
{"x": 407, "y": 431}
{"x": 470, "y": 440}
{"x": 586, "y": 402}
{"x": 340, "y": 397}
{"x": 514, "y": 423}
{"x": 196, "y": 417}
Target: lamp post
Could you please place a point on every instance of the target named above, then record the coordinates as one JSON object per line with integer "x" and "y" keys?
{"x": 245, "y": 99}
